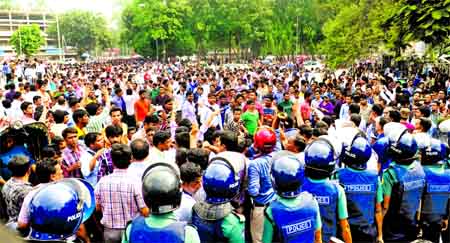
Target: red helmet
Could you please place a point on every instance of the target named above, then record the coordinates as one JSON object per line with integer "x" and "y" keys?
{"x": 265, "y": 140}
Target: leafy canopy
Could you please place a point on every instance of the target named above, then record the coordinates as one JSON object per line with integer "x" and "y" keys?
{"x": 27, "y": 40}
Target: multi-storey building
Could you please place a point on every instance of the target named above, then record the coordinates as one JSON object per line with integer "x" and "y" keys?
{"x": 10, "y": 20}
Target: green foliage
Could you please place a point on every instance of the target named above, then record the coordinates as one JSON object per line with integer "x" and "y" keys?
{"x": 83, "y": 30}
{"x": 343, "y": 30}
{"x": 426, "y": 20}
{"x": 358, "y": 31}
{"x": 27, "y": 40}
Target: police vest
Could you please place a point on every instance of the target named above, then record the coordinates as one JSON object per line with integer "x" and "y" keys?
{"x": 326, "y": 194}
{"x": 400, "y": 222}
{"x": 208, "y": 230}
{"x": 140, "y": 232}
{"x": 361, "y": 191}
{"x": 435, "y": 196}
{"x": 295, "y": 224}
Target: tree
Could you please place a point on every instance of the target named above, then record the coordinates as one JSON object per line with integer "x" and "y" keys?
{"x": 8, "y": 4}
{"x": 357, "y": 31}
{"x": 27, "y": 39}
{"x": 153, "y": 25}
{"x": 83, "y": 30}
{"x": 424, "y": 20}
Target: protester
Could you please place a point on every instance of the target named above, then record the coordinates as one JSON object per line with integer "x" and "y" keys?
{"x": 188, "y": 114}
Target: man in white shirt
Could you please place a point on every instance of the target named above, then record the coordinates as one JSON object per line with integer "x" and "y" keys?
{"x": 28, "y": 96}
{"x": 139, "y": 150}
{"x": 60, "y": 104}
{"x": 40, "y": 70}
{"x": 16, "y": 112}
{"x": 61, "y": 119}
{"x": 162, "y": 143}
{"x": 191, "y": 177}
{"x": 130, "y": 98}
{"x": 208, "y": 109}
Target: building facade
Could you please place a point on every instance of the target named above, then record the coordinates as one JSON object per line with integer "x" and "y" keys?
{"x": 11, "y": 20}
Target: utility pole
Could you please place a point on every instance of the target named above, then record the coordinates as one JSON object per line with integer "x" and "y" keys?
{"x": 59, "y": 38}
{"x": 298, "y": 38}
{"x": 20, "y": 41}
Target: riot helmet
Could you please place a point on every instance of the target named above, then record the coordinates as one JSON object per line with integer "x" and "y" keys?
{"x": 320, "y": 159}
{"x": 265, "y": 140}
{"x": 220, "y": 181}
{"x": 161, "y": 188}
{"x": 287, "y": 175}
{"x": 58, "y": 209}
{"x": 357, "y": 153}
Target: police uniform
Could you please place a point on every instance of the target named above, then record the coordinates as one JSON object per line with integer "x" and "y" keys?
{"x": 162, "y": 228}
{"x": 404, "y": 184}
{"x": 363, "y": 190}
{"x": 214, "y": 217}
{"x": 218, "y": 223}
{"x": 161, "y": 190}
{"x": 435, "y": 201}
{"x": 292, "y": 219}
{"x": 332, "y": 203}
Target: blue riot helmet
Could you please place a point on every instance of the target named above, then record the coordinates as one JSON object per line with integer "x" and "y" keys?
{"x": 320, "y": 159}
{"x": 434, "y": 153}
{"x": 402, "y": 145}
{"x": 58, "y": 209}
{"x": 161, "y": 188}
{"x": 287, "y": 175}
{"x": 220, "y": 182}
{"x": 381, "y": 147}
{"x": 357, "y": 153}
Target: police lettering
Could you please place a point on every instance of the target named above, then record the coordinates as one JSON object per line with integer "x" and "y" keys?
{"x": 438, "y": 188}
{"x": 298, "y": 227}
{"x": 233, "y": 185}
{"x": 411, "y": 185}
{"x": 322, "y": 200}
{"x": 74, "y": 217}
{"x": 358, "y": 188}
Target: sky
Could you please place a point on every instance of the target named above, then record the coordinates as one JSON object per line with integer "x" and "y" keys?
{"x": 105, "y": 7}
{"x": 108, "y": 8}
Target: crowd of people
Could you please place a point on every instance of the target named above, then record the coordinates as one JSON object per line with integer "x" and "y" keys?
{"x": 141, "y": 151}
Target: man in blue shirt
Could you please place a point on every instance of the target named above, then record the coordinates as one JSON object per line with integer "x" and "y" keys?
{"x": 259, "y": 180}
{"x": 344, "y": 113}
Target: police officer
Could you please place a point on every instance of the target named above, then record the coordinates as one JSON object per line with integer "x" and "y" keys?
{"x": 161, "y": 190}
{"x": 58, "y": 218}
{"x": 214, "y": 218}
{"x": 403, "y": 184}
{"x": 259, "y": 181}
{"x": 435, "y": 199}
{"x": 294, "y": 216}
{"x": 363, "y": 191}
{"x": 320, "y": 162}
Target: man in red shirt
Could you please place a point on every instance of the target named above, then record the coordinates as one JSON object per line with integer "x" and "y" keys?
{"x": 141, "y": 106}
{"x": 305, "y": 107}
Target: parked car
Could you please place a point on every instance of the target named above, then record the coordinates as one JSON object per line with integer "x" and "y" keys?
{"x": 313, "y": 65}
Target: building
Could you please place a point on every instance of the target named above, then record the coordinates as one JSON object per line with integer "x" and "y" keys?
{"x": 10, "y": 20}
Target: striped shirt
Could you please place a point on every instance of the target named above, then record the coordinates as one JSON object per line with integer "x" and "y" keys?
{"x": 97, "y": 122}
{"x": 71, "y": 157}
{"x": 120, "y": 199}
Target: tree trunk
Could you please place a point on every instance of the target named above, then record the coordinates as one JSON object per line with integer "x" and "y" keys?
{"x": 229, "y": 46}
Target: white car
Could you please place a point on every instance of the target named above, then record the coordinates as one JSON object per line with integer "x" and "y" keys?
{"x": 70, "y": 61}
{"x": 313, "y": 65}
